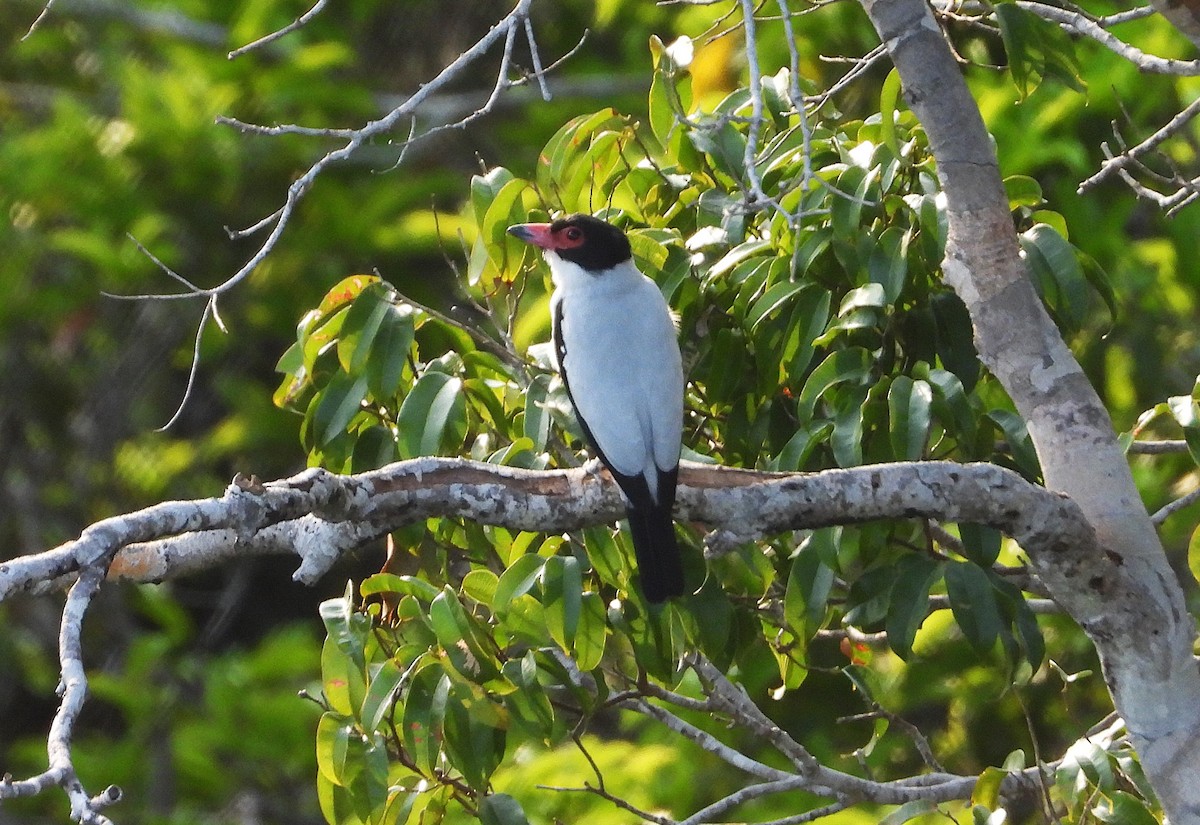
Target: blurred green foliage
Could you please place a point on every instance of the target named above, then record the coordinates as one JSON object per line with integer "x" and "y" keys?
{"x": 848, "y": 350}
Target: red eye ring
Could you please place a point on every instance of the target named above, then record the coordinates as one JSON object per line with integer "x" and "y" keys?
{"x": 573, "y": 233}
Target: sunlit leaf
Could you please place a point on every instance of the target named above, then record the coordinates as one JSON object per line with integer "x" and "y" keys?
{"x": 432, "y": 414}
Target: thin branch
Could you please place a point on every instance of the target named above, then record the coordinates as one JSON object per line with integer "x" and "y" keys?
{"x": 1081, "y": 24}
{"x": 708, "y": 742}
{"x": 299, "y": 22}
{"x": 912, "y": 731}
{"x": 355, "y": 139}
{"x": 809, "y": 816}
{"x": 38, "y": 20}
{"x": 538, "y": 72}
{"x": 210, "y": 310}
{"x": 1157, "y": 447}
{"x": 1166, "y": 511}
{"x": 860, "y": 67}
{"x": 746, "y": 794}
{"x": 1116, "y": 19}
{"x": 1127, "y": 157}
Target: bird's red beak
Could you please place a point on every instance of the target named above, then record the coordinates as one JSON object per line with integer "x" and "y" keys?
{"x": 537, "y": 234}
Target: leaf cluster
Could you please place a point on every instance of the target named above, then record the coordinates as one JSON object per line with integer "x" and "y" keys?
{"x": 816, "y": 332}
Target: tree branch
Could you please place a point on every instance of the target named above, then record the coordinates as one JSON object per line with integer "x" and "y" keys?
{"x": 298, "y": 23}
{"x": 1077, "y": 23}
{"x": 318, "y": 515}
{"x": 507, "y": 29}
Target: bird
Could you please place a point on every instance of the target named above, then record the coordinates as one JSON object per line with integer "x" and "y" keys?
{"x": 617, "y": 350}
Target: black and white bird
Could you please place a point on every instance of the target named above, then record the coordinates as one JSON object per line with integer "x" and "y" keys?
{"x": 618, "y": 354}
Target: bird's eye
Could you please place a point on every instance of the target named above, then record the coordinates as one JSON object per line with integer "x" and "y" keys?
{"x": 574, "y": 233}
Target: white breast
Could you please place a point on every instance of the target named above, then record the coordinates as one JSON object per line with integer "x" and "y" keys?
{"x": 623, "y": 365}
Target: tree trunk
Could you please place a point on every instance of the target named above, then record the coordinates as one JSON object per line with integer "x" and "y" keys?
{"x": 1126, "y": 598}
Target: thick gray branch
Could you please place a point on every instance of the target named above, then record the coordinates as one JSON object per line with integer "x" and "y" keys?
{"x": 318, "y": 515}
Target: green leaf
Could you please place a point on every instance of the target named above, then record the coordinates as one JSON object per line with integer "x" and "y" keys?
{"x": 808, "y": 587}
{"x": 390, "y": 351}
{"x": 774, "y": 298}
{"x": 339, "y": 402}
{"x": 1019, "y": 442}
{"x": 795, "y": 453}
{"x": 887, "y": 265}
{"x": 1029, "y": 634}
{"x": 973, "y": 602}
{"x": 1057, "y": 271}
{"x": 467, "y": 651}
{"x": 724, "y": 145}
{"x": 1098, "y": 279}
{"x": 501, "y": 809}
{"x": 889, "y": 95}
{"x": 562, "y": 594}
{"x": 1122, "y": 808}
{"x": 378, "y": 701}
{"x": 909, "y": 811}
{"x": 342, "y": 294}
{"x": 537, "y": 415}
{"x": 852, "y": 365}
{"x": 1022, "y": 190}
{"x": 363, "y": 320}
{"x": 404, "y": 585}
{"x": 484, "y": 189}
{"x": 649, "y": 253}
{"x": 980, "y": 544}
{"x": 520, "y": 578}
{"x": 909, "y": 601}
{"x": 591, "y": 633}
{"x": 475, "y": 747}
{"x": 1036, "y": 49}
{"x": 955, "y": 338}
{"x": 565, "y": 149}
{"x": 506, "y": 252}
{"x": 849, "y": 415}
{"x": 1092, "y": 760}
{"x": 433, "y": 414}
{"x": 422, "y": 711}
{"x": 987, "y": 788}
{"x": 529, "y": 704}
{"x": 809, "y": 317}
{"x": 950, "y": 403}
{"x": 909, "y": 405}
{"x": 338, "y": 673}
{"x": 333, "y": 737}
{"x": 480, "y": 585}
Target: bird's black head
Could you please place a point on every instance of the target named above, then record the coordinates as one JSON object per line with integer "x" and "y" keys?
{"x": 589, "y": 242}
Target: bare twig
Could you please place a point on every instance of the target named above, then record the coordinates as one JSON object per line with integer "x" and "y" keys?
{"x": 1167, "y": 510}
{"x": 299, "y": 22}
{"x": 355, "y": 139}
{"x": 1126, "y": 158}
{"x": 37, "y": 21}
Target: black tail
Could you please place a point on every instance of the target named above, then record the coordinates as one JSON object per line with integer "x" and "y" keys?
{"x": 658, "y": 558}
